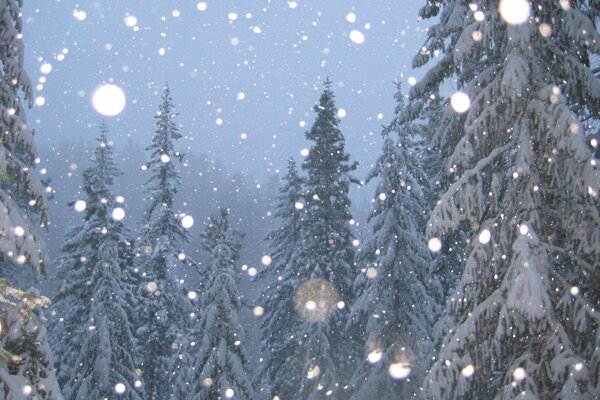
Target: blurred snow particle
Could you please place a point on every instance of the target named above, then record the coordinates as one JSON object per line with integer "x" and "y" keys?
{"x": 574, "y": 291}
{"x": 523, "y": 229}
{"x": 299, "y": 205}
{"x": 241, "y": 96}
{"x": 304, "y": 152}
{"x": 120, "y": 388}
{"x": 202, "y": 6}
{"x": 468, "y": 371}
{"x": 399, "y": 370}
{"x": 485, "y": 236}
{"x": 257, "y": 29}
{"x": 351, "y": 17}
{"x": 434, "y": 244}
{"x": 79, "y": 15}
{"x": 341, "y": 113}
{"x": 229, "y": 393}
{"x": 118, "y": 214}
{"x": 357, "y": 37}
{"x": 374, "y": 356}
{"x": 514, "y": 12}
{"x": 232, "y": 16}
{"x": 130, "y": 21}
{"x": 151, "y": 287}
{"x": 371, "y": 273}
{"x": 258, "y": 311}
{"x": 292, "y": 4}
{"x": 479, "y": 16}
{"x": 545, "y": 30}
{"x": 315, "y": 300}
{"x": 219, "y": 121}
{"x": 80, "y": 205}
{"x": 313, "y": 372}
{"x": 412, "y": 81}
{"x": 565, "y": 4}
{"x": 27, "y": 390}
{"x": 244, "y": 136}
{"x": 252, "y": 272}
{"x": 40, "y": 101}
{"x": 46, "y": 68}
{"x": 192, "y": 295}
{"x": 460, "y": 102}
{"x": 187, "y": 221}
{"x": 120, "y": 199}
{"x": 109, "y": 100}
{"x": 234, "y": 41}
{"x": 519, "y": 374}
{"x": 165, "y": 158}
{"x": 19, "y": 231}
{"x": 161, "y": 51}
{"x": 266, "y": 260}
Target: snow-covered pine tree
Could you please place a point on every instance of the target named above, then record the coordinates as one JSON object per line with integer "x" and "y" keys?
{"x": 279, "y": 334}
{"x": 165, "y": 308}
{"x": 220, "y": 368}
{"x": 397, "y": 302}
{"x": 26, "y": 365}
{"x": 21, "y": 192}
{"x": 92, "y": 332}
{"x": 526, "y": 185}
{"x": 319, "y": 358}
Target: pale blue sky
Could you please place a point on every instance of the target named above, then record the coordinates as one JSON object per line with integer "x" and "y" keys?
{"x": 281, "y": 57}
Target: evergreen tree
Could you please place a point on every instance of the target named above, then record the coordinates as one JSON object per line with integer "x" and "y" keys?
{"x": 398, "y": 302}
{"x": 93, "y": 334}
{"x": 162, "y": 316}
{"x": 280, "y": 324}
{"x": 26, "y": 365}
{"x": 526, "y": 183}
{"x": 319, "y": 359}
{"x": 220, "y": 368}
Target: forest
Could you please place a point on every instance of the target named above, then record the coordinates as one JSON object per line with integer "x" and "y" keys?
{"x": 463, "y": 264}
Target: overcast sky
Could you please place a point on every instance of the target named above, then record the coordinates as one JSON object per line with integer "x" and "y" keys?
{"x": 234, "y": 67}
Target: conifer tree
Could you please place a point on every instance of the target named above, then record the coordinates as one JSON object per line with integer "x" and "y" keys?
{"x": 93, "y": 336}
{"x": 319, "y": 359}
{"x": 281, "y": 320}
{"x": 163, "y": 314}
{"x": 220, "y": 368}
{"x": 398, "y": 300}
{"x": 26, "y": 365}
{"x": 526, "y": 183}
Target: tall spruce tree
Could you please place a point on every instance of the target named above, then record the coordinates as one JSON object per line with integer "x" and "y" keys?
{"x": 280, "y": 324}
{"x": 320, "y": 359}
{"x": 92, "y": 331}
{"x": 398, "y": 300}
{"x": 162, "y": 316}
{"x": 26, "y": 365}
{"x": 220, "y": 368}
{"x": 526, "y": 183}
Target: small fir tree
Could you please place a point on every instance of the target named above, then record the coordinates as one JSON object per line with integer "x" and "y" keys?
{"x": 281, "y": 320}
{"x": 93, "y": 312}
{"x": 165, "y": 308}
{"x": 398, "y": 299}
{"x": 220, "y": 367}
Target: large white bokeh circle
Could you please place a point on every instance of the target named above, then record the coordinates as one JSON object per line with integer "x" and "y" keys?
{"x": 109, "y": 100}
